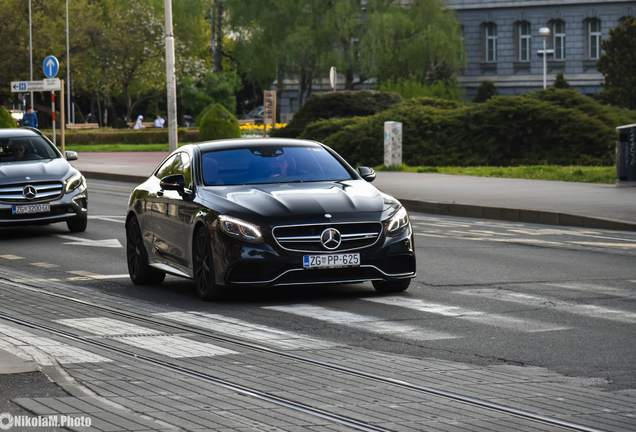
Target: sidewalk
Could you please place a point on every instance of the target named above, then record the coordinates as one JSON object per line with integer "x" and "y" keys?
{"x": 588, "y": 205}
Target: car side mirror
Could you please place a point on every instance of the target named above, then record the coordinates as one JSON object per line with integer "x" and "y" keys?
{"x": 174, "y": 182}
{"x": 71, "y": 155}
{"x": 367, "y": 173}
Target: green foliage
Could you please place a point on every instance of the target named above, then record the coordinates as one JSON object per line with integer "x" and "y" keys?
{"x": 218, "y": 123}
{"x": 560, "y": 82}
{"x": 555, "y": 126}
{"x": 617, "y": 64}
{"x": 6, "y": 121}
{"x": 125, "y": 136}
{"x": 197, "y": 95}
{"x": 485, "y": 91}
{"x": 410, "y": 88}
{"x": 337, "y": 104}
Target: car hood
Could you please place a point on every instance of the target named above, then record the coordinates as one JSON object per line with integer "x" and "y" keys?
{"x": 297, "y": 199}
{"x": 47, "y": 169}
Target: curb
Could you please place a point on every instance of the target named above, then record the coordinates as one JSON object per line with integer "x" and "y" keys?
{"x": 461, "y": 210}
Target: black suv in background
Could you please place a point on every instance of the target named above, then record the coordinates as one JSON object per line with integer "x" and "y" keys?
{"x": 37, "y": 184}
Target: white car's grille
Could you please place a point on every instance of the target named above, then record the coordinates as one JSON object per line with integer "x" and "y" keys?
{"x": 27, "y": 192}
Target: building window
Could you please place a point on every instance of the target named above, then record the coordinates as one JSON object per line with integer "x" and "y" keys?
{"x": 491, "y": 42}
{"x": 595, "y": 39}
{"x": 559, "y": 40}
{"x": 524, "y": 42}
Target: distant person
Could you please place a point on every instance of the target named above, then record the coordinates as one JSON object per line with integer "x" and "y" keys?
{"x": 159, "y": 122}
{"x": 30, "y": 119}
{"x": 139, "y": 124}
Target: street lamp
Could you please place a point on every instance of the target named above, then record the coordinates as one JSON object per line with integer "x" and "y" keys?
{"x": 545, "y": 33}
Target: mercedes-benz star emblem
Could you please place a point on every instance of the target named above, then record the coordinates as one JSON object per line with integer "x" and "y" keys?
{"x": 330, "y": 238}
{"x": 29, "y": 192}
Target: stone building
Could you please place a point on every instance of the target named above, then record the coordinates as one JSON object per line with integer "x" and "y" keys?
{"x": 503, "y": 44}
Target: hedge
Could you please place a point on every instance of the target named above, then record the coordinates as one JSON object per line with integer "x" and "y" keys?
{"x": 218, "y": 123}
{"x": 127, "y": 136}
{"x": 559, "y": 127}
{"x": 6, "y": 120}
{"x": 341, "y": 104}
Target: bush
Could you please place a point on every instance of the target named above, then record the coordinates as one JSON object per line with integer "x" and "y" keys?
{"x": 218, "y": 123}
{"x": 337, "y": 105}
{"x": 6, "y": 121}
{"x": 558, "y": 127}
{"x": 114, "y": 136}
{"x": 410, "y": 89}
{"x": 485, "y": 90}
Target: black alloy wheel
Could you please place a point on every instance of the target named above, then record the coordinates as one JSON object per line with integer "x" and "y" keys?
{"x": 204, "y": 267}
{"x": 138, "y": 268}
{"x": 393, "y": 286}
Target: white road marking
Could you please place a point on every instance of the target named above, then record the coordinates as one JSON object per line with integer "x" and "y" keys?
{"x": 362, "y": 322}
{"x": 11, "y": 257}
{"x": 480, "y": 317}
{"x": 624, "y": 245}
{"x": 597, "y": 289}
{"x": 564, "y": 306}
{"x": 109, "y": 218}
{"x": 44, "y": 265}
{"x": 28, "y": 346}
{"x": 86, "y": 275}
{"x": 78, "y": 241}
{"x": 245, "y": 330}
{"x": 146, "y": 338}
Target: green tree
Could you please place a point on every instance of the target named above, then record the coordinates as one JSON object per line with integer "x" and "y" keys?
{"x": 618, "y": 63}
{"x": 419, "y": 40}
{"x": 211, "y": 89}
{"x": 560, "y": 82}
{"x": 485, "y": 90}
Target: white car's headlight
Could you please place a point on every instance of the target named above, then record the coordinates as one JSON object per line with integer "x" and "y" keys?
{"x": 73, "y": 182}
{"x": 241, "y": 229}
{"x": 398, "y": 222}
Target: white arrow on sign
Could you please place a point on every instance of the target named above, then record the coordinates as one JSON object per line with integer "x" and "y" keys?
{"x": 77, "y": 241}
{"x": 50, "y": 64}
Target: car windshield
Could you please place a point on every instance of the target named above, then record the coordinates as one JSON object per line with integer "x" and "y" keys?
{"x": 19, "y": 149}
{"x": 273, "y": 164}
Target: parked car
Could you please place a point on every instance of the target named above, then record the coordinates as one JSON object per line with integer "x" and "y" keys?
{"x": 255, "y": 114}
{"x": 37, "y": 184}
{"x": 266, "y": 212}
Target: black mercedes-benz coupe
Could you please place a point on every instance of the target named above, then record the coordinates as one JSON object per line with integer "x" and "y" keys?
{"x": 37, "y": 184}
{"x": 266, "y": 212}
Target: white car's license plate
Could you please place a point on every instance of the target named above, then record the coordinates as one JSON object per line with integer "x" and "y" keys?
{"x": 31, "y": 208}
{"x": 333, "y": 260}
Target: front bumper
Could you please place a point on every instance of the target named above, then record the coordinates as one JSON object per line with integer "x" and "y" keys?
{"x": 265, "y": 265}
{"x": 70, "y": 206}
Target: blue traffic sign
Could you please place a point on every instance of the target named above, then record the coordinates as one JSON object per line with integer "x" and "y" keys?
{"x": 51, "y": 66}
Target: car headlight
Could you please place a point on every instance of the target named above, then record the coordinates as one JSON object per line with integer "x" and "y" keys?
{"x": 398, "y": 222}
{"x": 241, "y": 229}
{"x": 74, "y": 182}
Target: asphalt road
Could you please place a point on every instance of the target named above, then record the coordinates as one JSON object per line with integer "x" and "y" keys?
{"x": 487, "y": 293}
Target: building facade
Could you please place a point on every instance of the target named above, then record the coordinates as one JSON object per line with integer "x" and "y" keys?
{"x": 503, "y": 44}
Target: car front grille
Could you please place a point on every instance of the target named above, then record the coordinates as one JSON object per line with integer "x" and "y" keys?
{"x": 307, "y": 238}
{"x": 351, "y": 274}
{"x": 44, "y": 191}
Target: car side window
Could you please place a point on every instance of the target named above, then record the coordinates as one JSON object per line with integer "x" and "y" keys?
{"x": 178, "y": 163}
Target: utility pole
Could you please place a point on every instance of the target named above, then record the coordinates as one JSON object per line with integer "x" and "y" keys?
{"x": 171, "y": 80}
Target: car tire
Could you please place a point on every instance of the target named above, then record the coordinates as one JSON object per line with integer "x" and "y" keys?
{"x": 393, "y": 286}
{"x": 138, "y": 268}
{"x": 204, "y": 267}
{"x": 78, "y": 224}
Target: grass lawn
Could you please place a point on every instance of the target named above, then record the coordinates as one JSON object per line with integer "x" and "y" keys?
{"x": 584, "y": 174}
{"x": 86, "y": 148}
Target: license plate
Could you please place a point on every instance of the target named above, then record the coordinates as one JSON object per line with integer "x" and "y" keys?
{"x": 31, "y": 208}
{"x": 333, "y": 260}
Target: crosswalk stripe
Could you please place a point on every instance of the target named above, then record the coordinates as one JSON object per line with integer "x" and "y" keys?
{"x": 247, "y": 331}
{"x": 598, "y": 289}
{"x": 362, "y": 322}
{"x": 480, "y": 317}
{"x": 29, "y": 346}
{"x": 146, "y": 338}
{"x": 564, "y": 306}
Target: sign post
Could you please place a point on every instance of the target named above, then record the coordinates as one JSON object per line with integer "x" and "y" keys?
{"x": 62, "y": 116}
{"x": 333, "y": 78}
{"x": 392, "y": 143}
{"x": 269, "y": 110}
{"x": 51, "y": 67}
